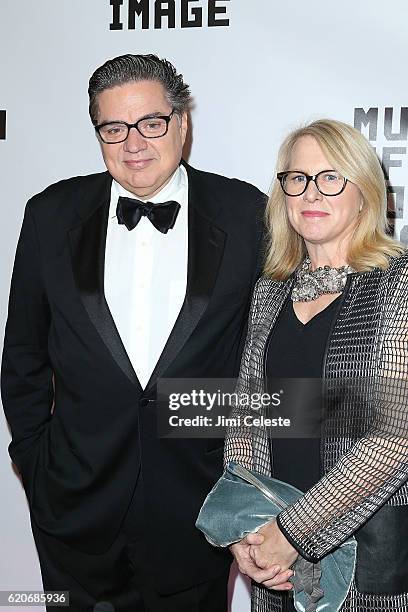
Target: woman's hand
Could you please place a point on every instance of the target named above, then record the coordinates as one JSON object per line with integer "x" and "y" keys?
{"x": 274, "y": 550}
{"x": 270, "y": 575}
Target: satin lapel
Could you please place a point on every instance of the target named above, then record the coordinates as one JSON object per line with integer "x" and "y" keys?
{"x": 88, "y": 261}
{"x": 205, "y": 249}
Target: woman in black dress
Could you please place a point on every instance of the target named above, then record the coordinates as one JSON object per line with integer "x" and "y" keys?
{"x": 333, "y": 305}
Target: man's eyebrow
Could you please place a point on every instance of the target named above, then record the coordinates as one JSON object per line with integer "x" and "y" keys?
{"x": 148, "y": 116}
{"x": 153, "y": 115}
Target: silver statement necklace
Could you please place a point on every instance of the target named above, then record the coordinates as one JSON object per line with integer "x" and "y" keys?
{"x": 311, "y": 284}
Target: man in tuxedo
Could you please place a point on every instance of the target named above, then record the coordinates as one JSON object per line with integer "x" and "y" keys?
{"x": 122, "y": 278}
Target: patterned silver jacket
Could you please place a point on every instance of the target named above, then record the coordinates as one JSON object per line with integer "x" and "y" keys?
{"x": 363, "y": 490}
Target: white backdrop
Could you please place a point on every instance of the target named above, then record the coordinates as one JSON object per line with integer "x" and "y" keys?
{"x": 274, "y": 66}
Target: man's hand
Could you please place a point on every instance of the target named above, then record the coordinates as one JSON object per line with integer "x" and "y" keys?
{"x": 274, "y": 550}
{"x": 271, "y": 576}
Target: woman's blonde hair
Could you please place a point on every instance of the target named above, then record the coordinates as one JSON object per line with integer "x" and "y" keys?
{"x": 348, "y": 152}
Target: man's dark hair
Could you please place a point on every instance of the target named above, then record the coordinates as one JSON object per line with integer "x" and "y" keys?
{"x": 127, "y": 68}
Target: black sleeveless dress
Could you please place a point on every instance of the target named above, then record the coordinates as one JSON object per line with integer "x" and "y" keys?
{"x": 296, "y": 351}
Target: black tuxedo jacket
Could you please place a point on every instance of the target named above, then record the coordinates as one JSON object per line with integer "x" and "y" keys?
{"x": 81, "y": 424}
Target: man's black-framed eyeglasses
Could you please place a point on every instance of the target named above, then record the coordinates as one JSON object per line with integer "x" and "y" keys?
{"x": 153, "y": 126}
{"x": 328, "y": 182}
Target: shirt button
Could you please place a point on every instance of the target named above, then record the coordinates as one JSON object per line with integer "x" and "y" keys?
{"x": 145, "y": 402}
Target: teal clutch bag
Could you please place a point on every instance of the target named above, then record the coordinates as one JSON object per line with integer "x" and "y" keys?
{"x": 242, "y": 502}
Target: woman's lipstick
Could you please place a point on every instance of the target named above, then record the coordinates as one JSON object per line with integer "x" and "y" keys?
{"x": 314, "y": 213}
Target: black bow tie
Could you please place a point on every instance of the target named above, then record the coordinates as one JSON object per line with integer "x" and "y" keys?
{"x": 129, "y": 211}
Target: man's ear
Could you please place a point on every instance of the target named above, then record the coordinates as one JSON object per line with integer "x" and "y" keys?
{"x": 183, "y": 127}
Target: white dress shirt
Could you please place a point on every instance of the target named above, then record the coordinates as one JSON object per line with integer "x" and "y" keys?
{"x": 146, "y": 276}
